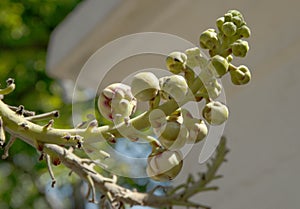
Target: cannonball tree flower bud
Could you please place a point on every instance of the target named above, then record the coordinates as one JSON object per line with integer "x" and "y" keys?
{"x": 215, "y": 113}
{"x": 173, "y": 87}
{"x": 144, "y": 86}
{"x": 220, "y": 65}
{"x": 164, "y": 166}
{"x": 244, "y": 31}
{"x": 194, "y": 57}
{"x": 220, "y": 21}
{"x": 241, "y": 75}
{"x": 229, "y": 29}
{"x": 240, "y": 48}
{"x": 196, "y": 127}
{"x": 157, "y": 119}
{"x": 213, "y": 88}
{"x": 116, "y": 100}
{"x": 173, "y": 136}
{"x": 209, "y": 39}
{"x": 176, "y": 62}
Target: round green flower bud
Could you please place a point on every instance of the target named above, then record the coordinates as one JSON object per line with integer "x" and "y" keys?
{"x": 213, "y": 88}
{"x": 238, "y": 21}
{"x": 241, "y": 75}
{"x": 240, "y": 48}
{"x": 229, "y": 29}
{"x": 234, "y": 13}
{"x": 244, "y": 31}
{"x": 173, "y": 87}
{"x": 164, "y": 166}
{"x": 144, "y": 86}
{"x": 174, "y": 136}
{"x": 176, "y": 62}
{"x": 220, "y": 21}
{"x": 196, "y": 127}
{"x": 209, "y": 39}
{"x": 215, "y": 113}
{"x": 157, "y": 119}
{"x": 220, "y": 64}
{"x": 228, "y": 17}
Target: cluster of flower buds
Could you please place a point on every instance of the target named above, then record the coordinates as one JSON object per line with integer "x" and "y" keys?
{"x": 117, "y": 103}
{"x": 173, "y": 132}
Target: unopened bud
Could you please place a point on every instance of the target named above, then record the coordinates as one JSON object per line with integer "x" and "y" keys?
{"x": 209, "y": 39}
{"x": 240, "y": 48}
{"x": 229, "y": 29}
{"x": 215, "y": 113}
{"x": 176, "y": 62}
{"x": 241, "y": 75}
{"x": 144, "y": 86}
{"x": 220, "y": 64}
{"x": 173, "y": 87}
{"x": 164, "y": 166}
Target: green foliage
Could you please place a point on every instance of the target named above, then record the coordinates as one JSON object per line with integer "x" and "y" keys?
{"x": 25, "y": 27}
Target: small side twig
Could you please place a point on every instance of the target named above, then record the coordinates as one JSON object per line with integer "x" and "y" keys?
{"x": 44, "y": 116}
{"x": 48, "y": 161}
{"x": 7, "y": 147}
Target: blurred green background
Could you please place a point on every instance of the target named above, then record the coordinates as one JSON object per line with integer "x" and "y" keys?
{"x": 25, "y": 27}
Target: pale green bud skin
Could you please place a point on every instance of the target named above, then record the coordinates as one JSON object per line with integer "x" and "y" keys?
{"x": 229, "y": 58}
{"x": 228, "y": 17}
{"x": 173, "y": 87}
{"x": 240, "y": 48}
{"x": 220, "y": 21}
{"x": 213, "y": 88}
{"x": 220, "y": 64}
{"x": 116, "y": 100}
{"x": 244, "y": 31}
{"x": 241, "y": 75}
{"x": 193, "y": 57}
{"x": 229, "y": 29}
{"x": 238, "y": 21}
{"x": 157, "y": 119}
{"x": 209, "y": 39}
{"x": 196, "y": 127}
{"x": 144, "y": 86}
{"x": 215, "y": 113}
{"x": 176, "y": 62}
{"x": 164, "y": 166}
{"x": 174, "y": 136}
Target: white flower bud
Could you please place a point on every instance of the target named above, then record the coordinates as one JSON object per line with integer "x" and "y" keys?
{"x": 173, "y": 87}
{"x": 144, "y": 86}
{"x": 116, "y": 101}
{"x": 164, "y": 166}
{"x": 215, "y": 113}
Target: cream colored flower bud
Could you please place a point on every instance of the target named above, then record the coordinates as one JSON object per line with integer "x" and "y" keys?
{"x": 144, "y": 86}
{"x": 173, "y": 87}
{"x": 164, "y": 166}
{"x": 176, "y": 62}
{"x": 116, "y": 100}
{"x": 196, "y": 127}
{"x": 174, "y": 135}
{"x": 194, "y": 57}
{"x": 215, "y": 113}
